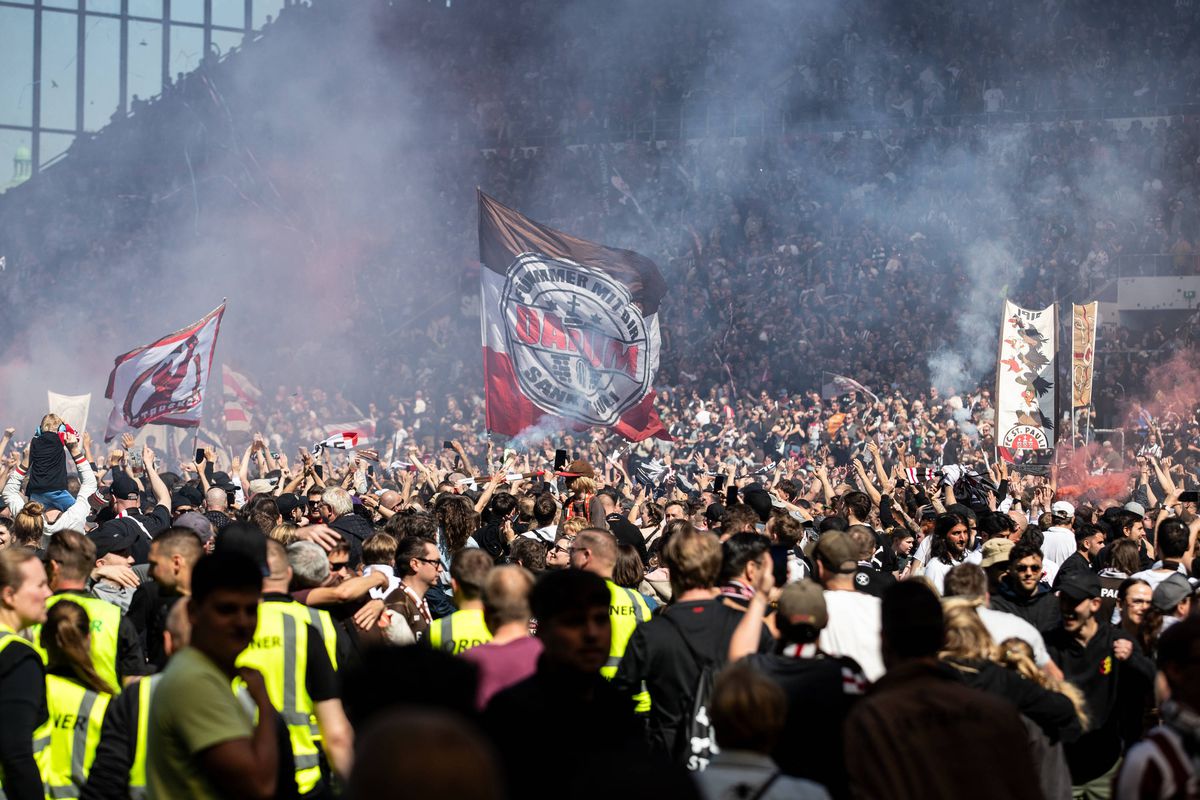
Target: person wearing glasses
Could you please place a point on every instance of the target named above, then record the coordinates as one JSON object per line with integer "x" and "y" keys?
{"x": 1024, "y": 593}
{"x": 420, "y": 565}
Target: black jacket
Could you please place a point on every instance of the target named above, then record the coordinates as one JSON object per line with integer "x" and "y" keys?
{"x": 1097, "y": 673}
{"x": 625, "y": 532}
{"x": 583, "y": 712}
{"x": 354, "y": 530}
{"x": 1074, "y": 564}
{"x": 1040, "y": 610}
{"x": 658, "y": 657}
{"x": 821, "y": 690}
{"x": 47, "y": 464}
{"x": 22, "y": 709}
{"x": 1052, "y": 712}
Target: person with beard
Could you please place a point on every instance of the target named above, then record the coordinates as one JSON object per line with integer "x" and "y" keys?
{"x": 951, "y": 533}
{"x": 1093, "y": 655}
{"x": 1022, "y": 591}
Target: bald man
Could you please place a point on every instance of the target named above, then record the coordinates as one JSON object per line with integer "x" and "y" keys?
{"x": 595, "y": 551}
{"x": 511, "y": 656}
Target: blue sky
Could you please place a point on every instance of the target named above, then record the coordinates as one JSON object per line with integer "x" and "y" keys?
{"x": 101, "y": 65}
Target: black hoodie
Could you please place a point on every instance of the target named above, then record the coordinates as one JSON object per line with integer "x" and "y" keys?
{"x": 1040, "y": 610}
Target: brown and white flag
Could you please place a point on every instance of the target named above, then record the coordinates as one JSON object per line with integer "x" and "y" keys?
{"x": 570, "y": 329}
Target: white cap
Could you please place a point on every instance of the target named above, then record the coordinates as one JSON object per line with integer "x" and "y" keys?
{"x": 1061, "y": 508}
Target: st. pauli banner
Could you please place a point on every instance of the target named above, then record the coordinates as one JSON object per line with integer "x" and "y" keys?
{"x": 164, "y": 382}
{"x": 570, "y": 329}
{"x": 1083, "y": 352}
{"x": 1025, "y": 398}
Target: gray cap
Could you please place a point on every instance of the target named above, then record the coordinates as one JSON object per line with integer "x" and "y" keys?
{"x": 1171, "y": 592}
{"x": 1135, "y": 508}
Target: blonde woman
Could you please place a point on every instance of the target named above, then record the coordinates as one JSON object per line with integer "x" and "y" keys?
{"x": 970, "y": 651}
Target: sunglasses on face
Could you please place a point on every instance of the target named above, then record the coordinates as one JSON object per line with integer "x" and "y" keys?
{"x": 1026, "y": 568}
{"x": 338, "y": 566}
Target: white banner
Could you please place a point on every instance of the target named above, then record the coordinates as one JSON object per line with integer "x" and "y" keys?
{"x": 1025, "y": 379}
{"x": 71, "y": 408}
{"x": 164, "y": 382}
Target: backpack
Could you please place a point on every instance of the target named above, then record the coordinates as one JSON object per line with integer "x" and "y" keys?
{"x": 697, "y": 742}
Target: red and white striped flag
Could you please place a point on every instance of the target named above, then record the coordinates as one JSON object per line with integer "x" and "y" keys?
{"x": 240, "y": 396}
{"x": 238, "y": 385}
{"x": 346, "y": 440}
{"x": 570, "y": 329}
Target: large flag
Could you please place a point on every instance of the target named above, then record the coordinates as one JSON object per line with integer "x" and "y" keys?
{"x": 1083, "y": 351}
{"x": 834, "y": 386}
{"x": 164, "y": 382}
{"x": 240, "y": 397}
{"x": 71, "y": 408}
{"x": 1025, "y": 397}
{"x": 570, "y": 329}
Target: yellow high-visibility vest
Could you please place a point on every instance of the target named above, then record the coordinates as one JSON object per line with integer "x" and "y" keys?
{"x": 322, "y": 623}
{"x": 9, "y": 637}
{"x": 105, "y": 619}
{"x": 459, "y": 632}
{"x": 137, "y": 771}
{"x": 626, "y": 609}
{"x": 279, "y": 651}
{"x": 73, "y": 733}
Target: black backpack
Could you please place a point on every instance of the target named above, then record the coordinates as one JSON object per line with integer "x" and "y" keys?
{"x": 697, "y": 742}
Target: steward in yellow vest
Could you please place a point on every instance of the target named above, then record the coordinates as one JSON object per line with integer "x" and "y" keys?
{"x": 76, "y": 698}
{"x": 595, "y": 551}
{"x": 115, "y": 648}
{"x": 299, "y": 677}
{"x": 465, "y": 628}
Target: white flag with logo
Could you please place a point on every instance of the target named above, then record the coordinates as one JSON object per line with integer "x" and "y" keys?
{"x": 164, "y": 382}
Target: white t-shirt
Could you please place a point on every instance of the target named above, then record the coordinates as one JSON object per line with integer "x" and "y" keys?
{"x": 1154, "y": 576}
{"x": 393, "y": 582}
{"x": 853, "y": 630}
{"x": 1003, "y": 625}
{"x": 1058, "y": 545}
{"x": 936, "y": 569}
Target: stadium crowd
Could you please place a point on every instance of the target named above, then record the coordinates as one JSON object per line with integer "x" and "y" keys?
{"x": 765, "y": 604}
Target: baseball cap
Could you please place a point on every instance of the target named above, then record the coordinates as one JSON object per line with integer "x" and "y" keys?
{"x": 838, "y": 552}
{"x": 714, "y": 513}
{"x": 1082, "y": 585}
{"x": 996, "y": 551}
{"x": 1061, "y": 508}
{"x": 1135, "y": 508}
{"x": 289, "y": 501}
{"x": 803, "y": 603}
{"x": 1170, "y": 593}
{"x": 195, "y": 521}
{"x": 125, "y": 487}
{"x": 114, "y": 537}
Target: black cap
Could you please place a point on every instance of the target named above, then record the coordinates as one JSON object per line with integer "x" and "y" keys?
{"x": 222, "y": 480}
{"x": 125, "y": 487}
{"x": 289, "y": 501}
{"x": 114, "y": 536}
{"x": 1082, "y": 585}
{"x": 714, "y": 513}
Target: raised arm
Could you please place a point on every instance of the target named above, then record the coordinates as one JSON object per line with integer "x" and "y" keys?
{"x": 161, "y": 495}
